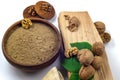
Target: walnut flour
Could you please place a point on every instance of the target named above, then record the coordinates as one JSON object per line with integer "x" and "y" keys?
{"x": 33, "y": 46}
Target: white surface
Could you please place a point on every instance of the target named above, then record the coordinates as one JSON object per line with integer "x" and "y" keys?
{"x": 99, "y": 10}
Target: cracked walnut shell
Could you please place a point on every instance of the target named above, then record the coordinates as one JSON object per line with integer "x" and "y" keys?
{"x": 73, "y": 24}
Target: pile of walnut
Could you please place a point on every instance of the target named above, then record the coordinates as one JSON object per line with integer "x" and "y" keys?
{"x": 100, "y": 26}
{"x": 91, "y": 60}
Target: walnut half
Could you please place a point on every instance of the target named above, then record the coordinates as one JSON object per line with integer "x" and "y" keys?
{"x": 26, "y": 23}
{"x": 71, "y": 52}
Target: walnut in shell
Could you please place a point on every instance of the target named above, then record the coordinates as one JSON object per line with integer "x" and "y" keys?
{"x": 98, "y": 48}
{"x": 86, "y": 72}
{"x": 85, "y": 56}
{"x": 97, "y": 62}
{"x": 100, "y": 26}
{"x": 106, "y": 37}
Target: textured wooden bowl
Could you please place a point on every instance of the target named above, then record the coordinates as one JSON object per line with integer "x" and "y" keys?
{"x": 31, "y": 67}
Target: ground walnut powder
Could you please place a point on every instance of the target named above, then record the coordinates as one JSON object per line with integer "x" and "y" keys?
{"x": 32, "y": 46}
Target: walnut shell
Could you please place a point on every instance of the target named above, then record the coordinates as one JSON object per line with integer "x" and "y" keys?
{"x": 85, "y": 56}
{"x": 97, "y": 62}
{"x": 74, "y": 20}
{"x": 86, "y": 72}
{"x": 100, "y": 26}
{"x": 105, "y": 37}
{"x": 98, "y": 48}
{"x": 73, "y": 24}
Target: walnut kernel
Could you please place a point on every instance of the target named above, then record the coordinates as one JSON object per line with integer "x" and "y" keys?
{"x": 26, "y": 23}
{"x": 85, "y": 56}
{"x": 71, "y": 52}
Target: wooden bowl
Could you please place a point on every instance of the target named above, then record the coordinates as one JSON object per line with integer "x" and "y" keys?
{"x": 31, "y": 67}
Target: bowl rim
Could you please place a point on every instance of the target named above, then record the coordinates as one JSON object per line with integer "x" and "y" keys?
{"x": 33, "y": 20}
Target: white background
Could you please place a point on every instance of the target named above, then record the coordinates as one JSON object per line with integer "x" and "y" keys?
{"x": 106, "y": 11}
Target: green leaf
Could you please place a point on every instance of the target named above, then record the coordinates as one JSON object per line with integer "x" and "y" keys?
{"x": 82, "y": 45}
{"x": 71, "y": 64}
{"x": 74, "y": 76}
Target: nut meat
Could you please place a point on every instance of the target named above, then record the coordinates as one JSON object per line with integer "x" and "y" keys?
{"x": 26, "y": 23}
{"x": 71, "y": 52}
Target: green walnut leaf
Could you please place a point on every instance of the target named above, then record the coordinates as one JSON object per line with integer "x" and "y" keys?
{"x": 82, "y": 45}
{"x": 71, "y": 64}
{"x": 74, "y": 76}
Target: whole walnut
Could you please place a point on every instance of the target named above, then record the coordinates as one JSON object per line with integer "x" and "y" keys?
{"x": 86, "y": 72}
{"x": 100, "y": 26}
{"x": 85, "y": 56}
{"x": 97, "y": 62}
{"x": 98, "y": 48}
{"x": 106, "y": 37}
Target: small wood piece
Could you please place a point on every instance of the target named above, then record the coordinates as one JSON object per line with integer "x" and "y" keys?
{"x": 86, "y": 32}
{"x": 53, "y": 74}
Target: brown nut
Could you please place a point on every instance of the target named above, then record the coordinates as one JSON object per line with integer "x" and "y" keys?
{"x": 98, "y": 48}
{"x": 86, "y": 72}
{"x": 100, "y": 26}
{"x": 85, "y": 56}
{"x": 73, "y": 24}
{"x": 26, "y": 23}
{"x": 105, "y": 37}
{"x": 97, "y": 62}
{"x": 71, "y": 52}
{"x": 44, "y": 9}
{"x": 30, "y": 12}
